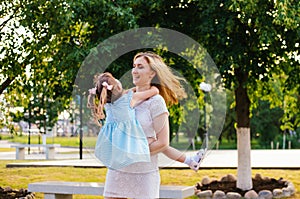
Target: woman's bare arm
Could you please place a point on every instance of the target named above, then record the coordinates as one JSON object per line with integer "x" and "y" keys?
{"x": 161, "y": 127}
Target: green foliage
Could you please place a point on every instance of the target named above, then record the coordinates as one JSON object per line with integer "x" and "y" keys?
{"x": 275, "y": 92}
{"x": 253, "y": 43}
{"x": 229, "y": 128}
{"x": 250, "y": 41}
{"x": 43, "y": 45}
{"x": 265, "y": 123}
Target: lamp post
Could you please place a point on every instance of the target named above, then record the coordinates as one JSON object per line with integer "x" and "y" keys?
{"x": 80, "y": 127}
{"x": 206, "y": 88}
{"x": 28, "y": 117}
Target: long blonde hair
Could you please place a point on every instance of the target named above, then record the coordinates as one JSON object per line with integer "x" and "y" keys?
{"x": 102, "y": 95}
{"x": 168, "y": 84}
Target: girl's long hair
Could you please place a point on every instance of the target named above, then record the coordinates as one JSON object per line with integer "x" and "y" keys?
{"x": 102, "y": 96}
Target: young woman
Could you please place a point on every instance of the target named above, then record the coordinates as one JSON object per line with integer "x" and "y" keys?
{"x": 142, "y": 179}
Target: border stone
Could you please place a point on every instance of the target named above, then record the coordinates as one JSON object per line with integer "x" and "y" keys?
{"x": 207, "y": 194}
{"x": 219, "y": 195}
{"x": 205, "y": 180}
{"x": 285, "y": 192}
{"x": 277, "y": 193}
{"x": 251, "y": 194}
{"x": 265, "y": 194}
{"x": 233, "y": 195}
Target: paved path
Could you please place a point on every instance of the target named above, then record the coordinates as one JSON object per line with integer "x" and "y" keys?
{"x": 273, "y": 159}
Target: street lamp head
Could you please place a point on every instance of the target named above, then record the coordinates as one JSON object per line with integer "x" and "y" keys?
{"x": 205, "y": 87}
{"x": 26, "y": 115}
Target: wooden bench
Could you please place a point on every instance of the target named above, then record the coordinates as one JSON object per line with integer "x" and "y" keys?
{"x": 49, "y": 150}
{"x": 65, "y": 190}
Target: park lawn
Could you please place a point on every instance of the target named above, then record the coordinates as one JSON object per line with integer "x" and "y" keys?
{"x": 90, "y": 141}
{"x": 7, "y": 149}
{"x": 20, "y": 177}
{"x": 87, "y": 142}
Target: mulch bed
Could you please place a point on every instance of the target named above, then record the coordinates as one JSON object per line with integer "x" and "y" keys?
{"x": 258, "y": 185}
{"x": 9, "y": 193}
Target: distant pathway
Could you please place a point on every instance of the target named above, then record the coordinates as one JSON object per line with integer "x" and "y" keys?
{"x": 273, "y": 159}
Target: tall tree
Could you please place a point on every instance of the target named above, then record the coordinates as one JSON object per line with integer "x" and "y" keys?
{"x": 43, "y": 44}
{"x": 249, "y": 41}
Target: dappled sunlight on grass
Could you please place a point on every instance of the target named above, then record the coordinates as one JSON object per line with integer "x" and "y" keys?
{"x": 88, "y": 142}
{"x": 21, "y": 177}
{"x": 7, "y": 149}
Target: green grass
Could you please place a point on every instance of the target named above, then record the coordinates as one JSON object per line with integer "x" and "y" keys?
{"x": 89, "y": 142}
{"x": 20, "y": 177}
{"x": 63, "y": 141}
{"x": 7, "y": 149}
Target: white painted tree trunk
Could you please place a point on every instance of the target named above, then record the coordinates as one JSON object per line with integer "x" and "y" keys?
{"x": 244, "y": 179}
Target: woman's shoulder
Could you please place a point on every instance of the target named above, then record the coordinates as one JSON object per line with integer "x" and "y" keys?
{"x": 156, "y": 97}
{"x": 157, "y": 105}
{"x": 157, "y": 100}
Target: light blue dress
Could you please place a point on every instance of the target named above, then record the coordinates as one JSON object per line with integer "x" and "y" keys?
{"x": 121, "y": 140}
{"x": 142, "y": 179}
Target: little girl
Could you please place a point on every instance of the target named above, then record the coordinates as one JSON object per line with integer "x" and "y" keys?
{"x": 121, "y": 140}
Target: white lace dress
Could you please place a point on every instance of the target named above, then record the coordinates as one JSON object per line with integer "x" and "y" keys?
{"x": 139, "y": 180}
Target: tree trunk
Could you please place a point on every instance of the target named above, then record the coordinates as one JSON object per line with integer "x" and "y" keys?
{"x": 244, "y": 179}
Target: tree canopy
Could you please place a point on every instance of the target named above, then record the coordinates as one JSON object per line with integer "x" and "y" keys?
{"x": 253, "y": 43}
{"x": 44, "y": 43}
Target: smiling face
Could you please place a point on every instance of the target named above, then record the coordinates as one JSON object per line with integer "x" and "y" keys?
{"x": 142, "y": 73}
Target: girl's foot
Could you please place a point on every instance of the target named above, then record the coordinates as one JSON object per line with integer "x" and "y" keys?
{"x": 194, "y": 161}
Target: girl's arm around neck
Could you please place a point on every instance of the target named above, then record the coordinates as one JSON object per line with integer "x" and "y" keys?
{"x": 138, "y": 97}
